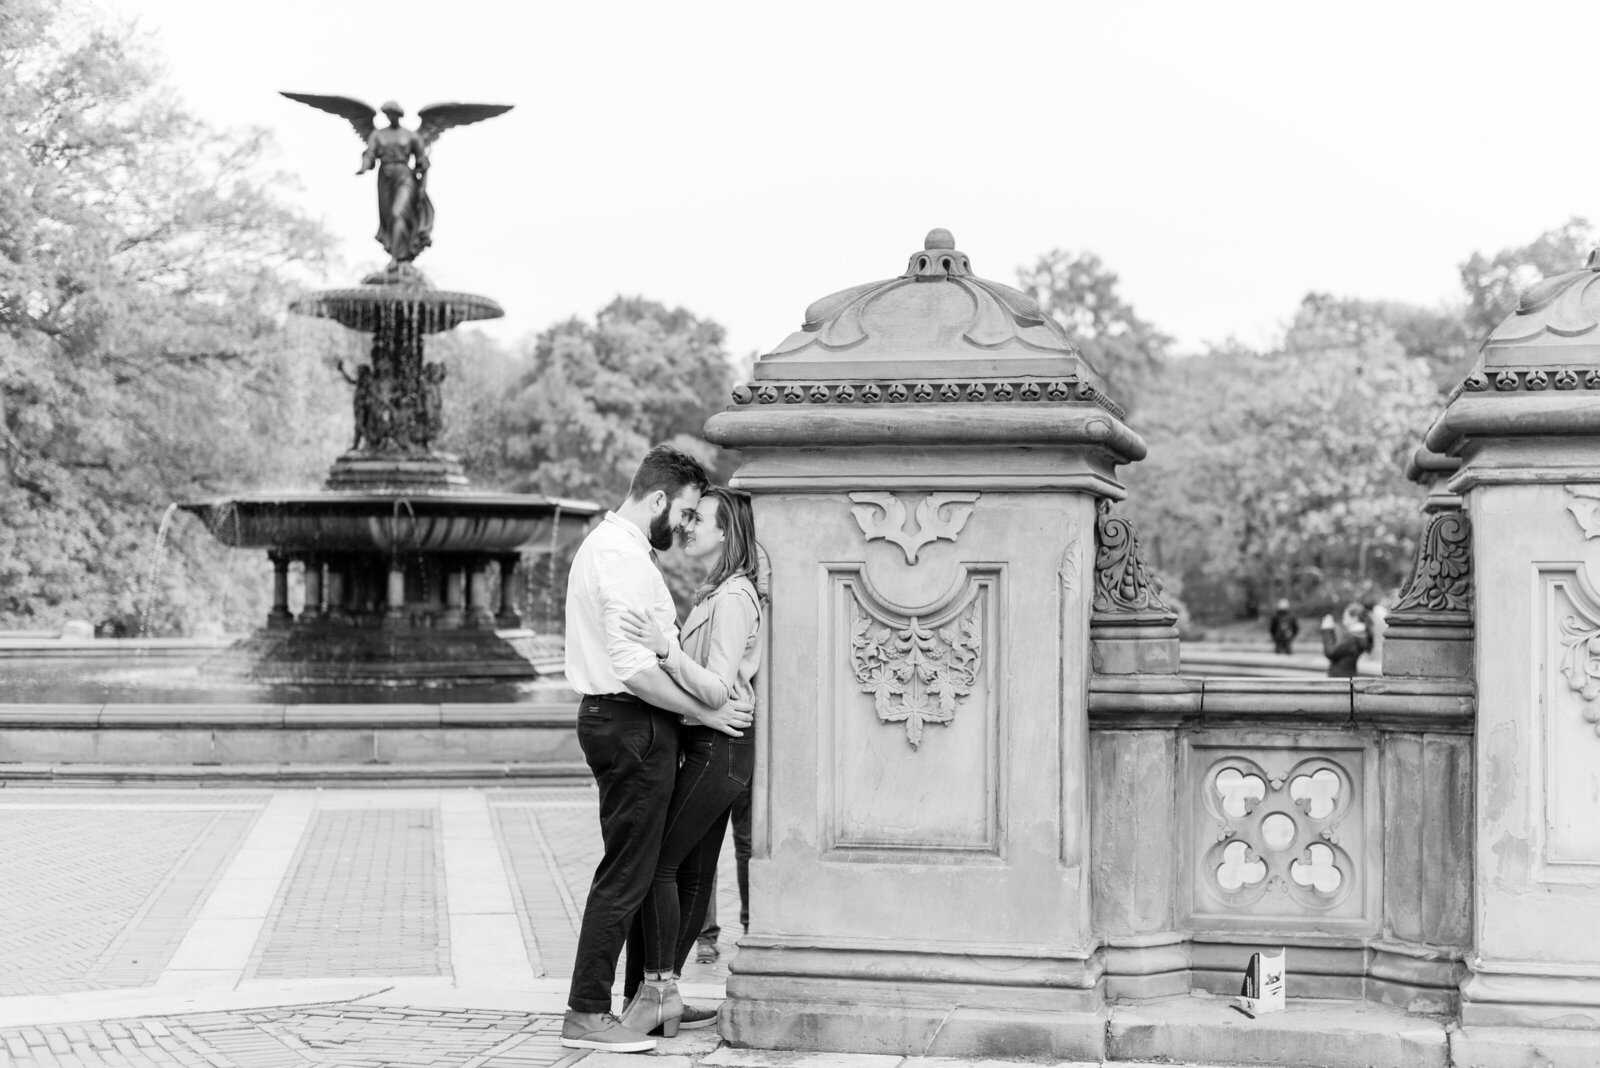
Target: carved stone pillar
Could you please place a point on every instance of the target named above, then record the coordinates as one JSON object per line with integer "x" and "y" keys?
{"x": 1526, "y": 429}
{"x": 455, "y": 597}
{"x": 279, "y": 616}
{"x": 507, "y": 617}
{"x": 477, "y": 608}
{"x": 312, "y": 577}
{"x": 394, "y": 614}
{"x": 1134, "y": 641}
{"x": 925, "y": 458}
{"x": 338, "y": 591}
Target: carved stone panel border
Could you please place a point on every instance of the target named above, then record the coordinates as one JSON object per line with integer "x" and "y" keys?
{"x": 1283, "y": 832}
{"x": 1567, "y": 718}
{"x": 910, "y": 752}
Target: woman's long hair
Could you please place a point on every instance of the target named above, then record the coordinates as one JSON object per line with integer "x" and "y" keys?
{"x": 738, "y": 525}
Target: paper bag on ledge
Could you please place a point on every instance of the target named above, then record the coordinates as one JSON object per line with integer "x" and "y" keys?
{"x": 1264, "y": 981}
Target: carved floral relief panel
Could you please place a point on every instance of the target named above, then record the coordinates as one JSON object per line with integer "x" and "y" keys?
{"x": 1283, "y": 832}
{"x": 911, "y": 736}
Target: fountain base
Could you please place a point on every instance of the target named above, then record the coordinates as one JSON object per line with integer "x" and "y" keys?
{"x": 317, "y": 654}
{"x": 372, "y": 472}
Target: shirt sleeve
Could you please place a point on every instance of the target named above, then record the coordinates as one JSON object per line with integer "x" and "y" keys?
{"x": 734, "y": 619}
{"x": 626, "y": 580}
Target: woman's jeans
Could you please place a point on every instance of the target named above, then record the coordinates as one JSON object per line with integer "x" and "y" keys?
{"x": 716, "y": 769}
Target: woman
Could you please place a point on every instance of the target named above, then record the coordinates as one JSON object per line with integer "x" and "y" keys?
{"x": 719, "y": 656}
{"x": 1343, "y": 652}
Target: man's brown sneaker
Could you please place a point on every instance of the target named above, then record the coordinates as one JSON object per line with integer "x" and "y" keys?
{"x": 602, "y": 1030}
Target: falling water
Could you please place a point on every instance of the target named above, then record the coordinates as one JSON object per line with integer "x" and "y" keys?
{"x": 158, "y": 555}
{"x": 550, "y": 581}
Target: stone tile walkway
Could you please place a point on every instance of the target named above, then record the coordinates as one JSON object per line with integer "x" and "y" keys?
{"x": 315, "y": 928}
{"x": 347, "y": 927}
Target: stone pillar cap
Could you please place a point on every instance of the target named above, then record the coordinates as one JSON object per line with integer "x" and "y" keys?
{"x": 1537, "y": 374}
{"x": 936, "y": 356}
{"x": 936, "y": 321}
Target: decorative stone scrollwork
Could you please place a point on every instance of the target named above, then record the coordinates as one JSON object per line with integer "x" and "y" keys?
{"x": 1580, "y": 663}
{"x": 1584, "y": 504}
{"x": 1122, "y": 582}
{"x": 917, "y": 669}
{"x": 940, "y": 516}
{"x": 1441, "y": 571}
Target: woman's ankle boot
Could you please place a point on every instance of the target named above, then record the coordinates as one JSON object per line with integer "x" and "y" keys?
{"x": 656, "y": 1006}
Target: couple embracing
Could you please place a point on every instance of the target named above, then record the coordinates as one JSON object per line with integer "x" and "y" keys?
{"x": 666, "y": 725}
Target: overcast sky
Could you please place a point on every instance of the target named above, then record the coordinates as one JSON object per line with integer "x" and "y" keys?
{"x": 743, "y": 159}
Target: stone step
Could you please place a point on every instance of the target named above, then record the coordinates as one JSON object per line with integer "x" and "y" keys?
{"x": 1334, "y": 1034}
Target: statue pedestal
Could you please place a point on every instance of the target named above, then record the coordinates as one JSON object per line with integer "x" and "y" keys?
{"x": 920, "y": 878}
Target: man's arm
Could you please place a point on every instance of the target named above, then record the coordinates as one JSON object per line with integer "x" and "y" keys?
{"x": 654, "y": 686}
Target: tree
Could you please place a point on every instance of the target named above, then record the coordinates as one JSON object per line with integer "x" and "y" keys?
{"x": 573, "y": 414}
{"x": 592, "y": 398}
{"x": 1281, "y": 474}
{"x": 1080, "y": 293}
{"x": 145, "y": 263}
{"x": 1494, "y": 284}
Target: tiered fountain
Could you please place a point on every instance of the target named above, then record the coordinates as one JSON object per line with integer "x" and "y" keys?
{"x": 399, "y": 557}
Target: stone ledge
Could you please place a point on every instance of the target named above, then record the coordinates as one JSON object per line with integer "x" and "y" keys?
{"x": 44, "y": 774}
{"x": 1153, "y": 701}
{"x": 1335, "y": 1034}
{"x": 561, "y": 715}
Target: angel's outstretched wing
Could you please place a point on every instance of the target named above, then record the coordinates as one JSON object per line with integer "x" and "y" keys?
{"x": 356, "y": 113}
{"x": 437, "y": 118}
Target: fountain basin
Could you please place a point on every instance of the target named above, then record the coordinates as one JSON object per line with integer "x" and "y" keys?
{"x": 374, "y": 309}
{"x": 390, "y": 523}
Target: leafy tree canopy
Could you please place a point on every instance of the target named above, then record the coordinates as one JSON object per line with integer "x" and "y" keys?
{"x": 1281, "y": 474}
{"x": 144, "y": 265}
{"x": 1080, "y": 293}
{"x": 1494, "y": 284}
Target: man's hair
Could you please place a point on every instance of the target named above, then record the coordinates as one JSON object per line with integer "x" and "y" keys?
{"x": 669, "y": 469}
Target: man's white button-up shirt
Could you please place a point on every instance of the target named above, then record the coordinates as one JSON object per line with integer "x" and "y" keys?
{"x": 612, "y": 571}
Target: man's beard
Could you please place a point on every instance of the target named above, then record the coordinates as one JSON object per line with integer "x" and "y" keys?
{"x": 660, "y": 532}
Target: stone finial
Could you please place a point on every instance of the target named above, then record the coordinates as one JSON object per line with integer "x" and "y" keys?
{"x": 938, "y": 259}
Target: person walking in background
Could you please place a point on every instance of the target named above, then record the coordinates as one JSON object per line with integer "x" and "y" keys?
{"x": 1343, "y": 652}
{"x": 1283, "y": 627}
{"x": 628, "y": 717}
{"x": 717, "y": 663}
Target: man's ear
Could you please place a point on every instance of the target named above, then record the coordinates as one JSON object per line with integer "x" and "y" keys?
{"x": 659, "y": 502}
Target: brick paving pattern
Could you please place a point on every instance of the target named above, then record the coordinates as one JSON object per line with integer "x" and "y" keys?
{"x": 109, "y": 892}
{"x": 365, "y": 898}
{"x": 552, "y": 845}
{"x": 345, "y": 1036}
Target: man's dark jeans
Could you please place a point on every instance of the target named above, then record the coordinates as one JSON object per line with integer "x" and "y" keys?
{"x": 632, "y": 748}
{"x": 716, "y": 770}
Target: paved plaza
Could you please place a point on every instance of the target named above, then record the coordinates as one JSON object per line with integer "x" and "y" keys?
{"x": 313, "y": 928}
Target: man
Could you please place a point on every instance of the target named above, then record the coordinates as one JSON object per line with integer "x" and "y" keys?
{"x": 1283, "y": 627}
{"x": 627, "y": 724}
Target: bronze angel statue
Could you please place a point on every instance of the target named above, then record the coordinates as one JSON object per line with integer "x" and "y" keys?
{"x": 405, "y": 214}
